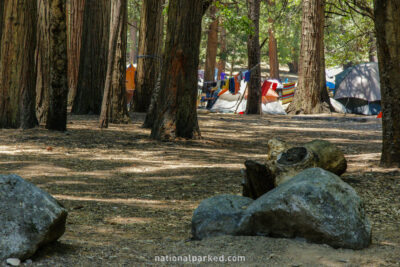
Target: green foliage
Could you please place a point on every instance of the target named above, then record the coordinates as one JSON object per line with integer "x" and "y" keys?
{"x": 234, "y": 21}
{"x": 348, "y": 36}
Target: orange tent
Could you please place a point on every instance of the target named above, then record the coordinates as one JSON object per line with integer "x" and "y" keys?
{"x": 130, "y": 82}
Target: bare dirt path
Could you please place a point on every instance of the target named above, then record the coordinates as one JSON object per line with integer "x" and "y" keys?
{"x": 130, "y": 198}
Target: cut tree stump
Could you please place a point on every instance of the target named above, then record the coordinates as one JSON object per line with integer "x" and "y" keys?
{"x": 317, "y": 153}
{"x": 258, "y": 179}
{"x": 293, "y": 161}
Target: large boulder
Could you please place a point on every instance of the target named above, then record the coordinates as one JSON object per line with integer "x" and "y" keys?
{"x": 316, "y": 205}
{"x": 219, "y": 215}
{"x": 29, "y": 218}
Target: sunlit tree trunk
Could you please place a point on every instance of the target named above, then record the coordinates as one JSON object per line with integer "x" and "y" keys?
{"x": 52, "y": 65}
{"x": 114, "y": 102}
{"x": 311, "y": 95}
{"x": 222, "y": 51}
{"x": 1, "y": 18}
{"x": 372, "y": 49}
{"x": 176, "y": 108}
{"x": 272, "y": 47}
{"x": 133, "y": 36}
{"x": 253, "y": 50}
{"x": 273, "y": 55}
{"x": 150, "y": 40}
{"x": 17, "y": 65}
{"x": 93, "y": 59}
{"x": 212, "y": 46}
{"x": 387, "y": 25}
{"x": 74, "y": 30}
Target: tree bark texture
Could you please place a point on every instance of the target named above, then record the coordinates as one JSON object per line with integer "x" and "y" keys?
{"x": 212, "y": 46}
{"x": 17, "y": 65}
{"x": 114, "y": 108}
{"x": 93, "y": 57}
{"x": 150, "y": 42}
{"x": 151, "y": 114}
{"x": 176, "y": 107}
{"x": 258, "y": 179}
{"x": 52, "y": 65}
{"x": 1, "y": 19}
{"x": 75, "y": 10}
{"x": 273, "y": 55}
{"x": 222, "y": 50}
{"x": 253, "y": 49}
{"x": 133, "y": 36}
{"x": 311, "y": 95}
{"x": 387, "y": 24}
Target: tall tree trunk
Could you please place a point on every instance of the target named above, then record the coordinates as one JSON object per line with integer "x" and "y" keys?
{"x": 294, "y": 66}
{"x": 273, "y": 56}
{"x": 93, "y": 57}
{"x": 176, "y": 109}
{"x": 372, "y": 49}
{"x": 311, "y": 95}
{"x": 114, "y": 102}
{"x": 133, "y": 36}
{"x": 387, "y": 25}
{"x": 150, "y": 39}
{"x": 1, "y": 19}
{"x": 222, "y": 50}
{"x": 253, "y": 50}
{"x": 52, "y": 65}
{"x": 17, "y": 65}
{"x": 212, "y": 46}
{"x": 74, "y": 26}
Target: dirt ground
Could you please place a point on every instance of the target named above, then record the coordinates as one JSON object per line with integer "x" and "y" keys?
{"x": 130, "y": 199}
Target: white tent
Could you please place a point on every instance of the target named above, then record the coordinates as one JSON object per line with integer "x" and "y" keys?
{"x": 228, "y": 103}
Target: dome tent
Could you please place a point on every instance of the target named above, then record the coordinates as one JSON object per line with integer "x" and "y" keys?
{"x": 358, "y": 89}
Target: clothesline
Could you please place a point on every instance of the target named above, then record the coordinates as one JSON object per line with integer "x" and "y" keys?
{"x": 250, "y": 70}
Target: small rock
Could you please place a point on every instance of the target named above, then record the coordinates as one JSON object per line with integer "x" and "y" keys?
{"x": 219, "y": 215}
{"x": 28, "y": 262}
{"x": 13, "y": 261}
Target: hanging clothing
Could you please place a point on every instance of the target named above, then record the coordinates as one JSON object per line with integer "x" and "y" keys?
{"x": 224, "y": 88}
{"x": 247, "y": 76}
{"x": 223, "y": 75}
{"x": 265, "y": 87}
{"x": 232, "y": 85}
{"x": 237, "y": 84}
{"x": 240, "y": 77}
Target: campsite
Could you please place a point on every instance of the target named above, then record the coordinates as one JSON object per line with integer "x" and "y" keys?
{"x": 199, "y": 133}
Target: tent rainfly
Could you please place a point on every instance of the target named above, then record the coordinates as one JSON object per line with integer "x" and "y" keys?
{"x": 358, "y": 89}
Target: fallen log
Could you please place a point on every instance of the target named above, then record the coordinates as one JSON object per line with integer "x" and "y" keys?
{"x": 284, "y": 162}
{"x": 257, "y": 179}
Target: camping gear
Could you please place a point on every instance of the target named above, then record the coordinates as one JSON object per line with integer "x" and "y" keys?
{"x": 130, "y": 82}
{"x": 268, "y": 92}
{"x": 358, "y": 89}
{"x": 288, "y": 92}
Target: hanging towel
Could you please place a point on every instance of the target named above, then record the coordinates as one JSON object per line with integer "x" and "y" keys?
{"x": 247, "y": 76}
{"x": 237, "y": 84}
{"x": 265, "y": 87}
{"x": 232, "y": 85}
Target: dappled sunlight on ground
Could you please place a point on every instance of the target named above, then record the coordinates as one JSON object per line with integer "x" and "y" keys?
{"x": 131, "y": 198}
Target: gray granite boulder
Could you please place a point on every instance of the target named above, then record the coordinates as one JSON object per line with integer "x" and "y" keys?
{"x": 219, "y": 215}
{"x": 29, "y": 218}
{"x": 316, "y": 205}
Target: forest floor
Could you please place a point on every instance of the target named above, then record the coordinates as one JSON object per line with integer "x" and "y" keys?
{"x": 131, "y": 199}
